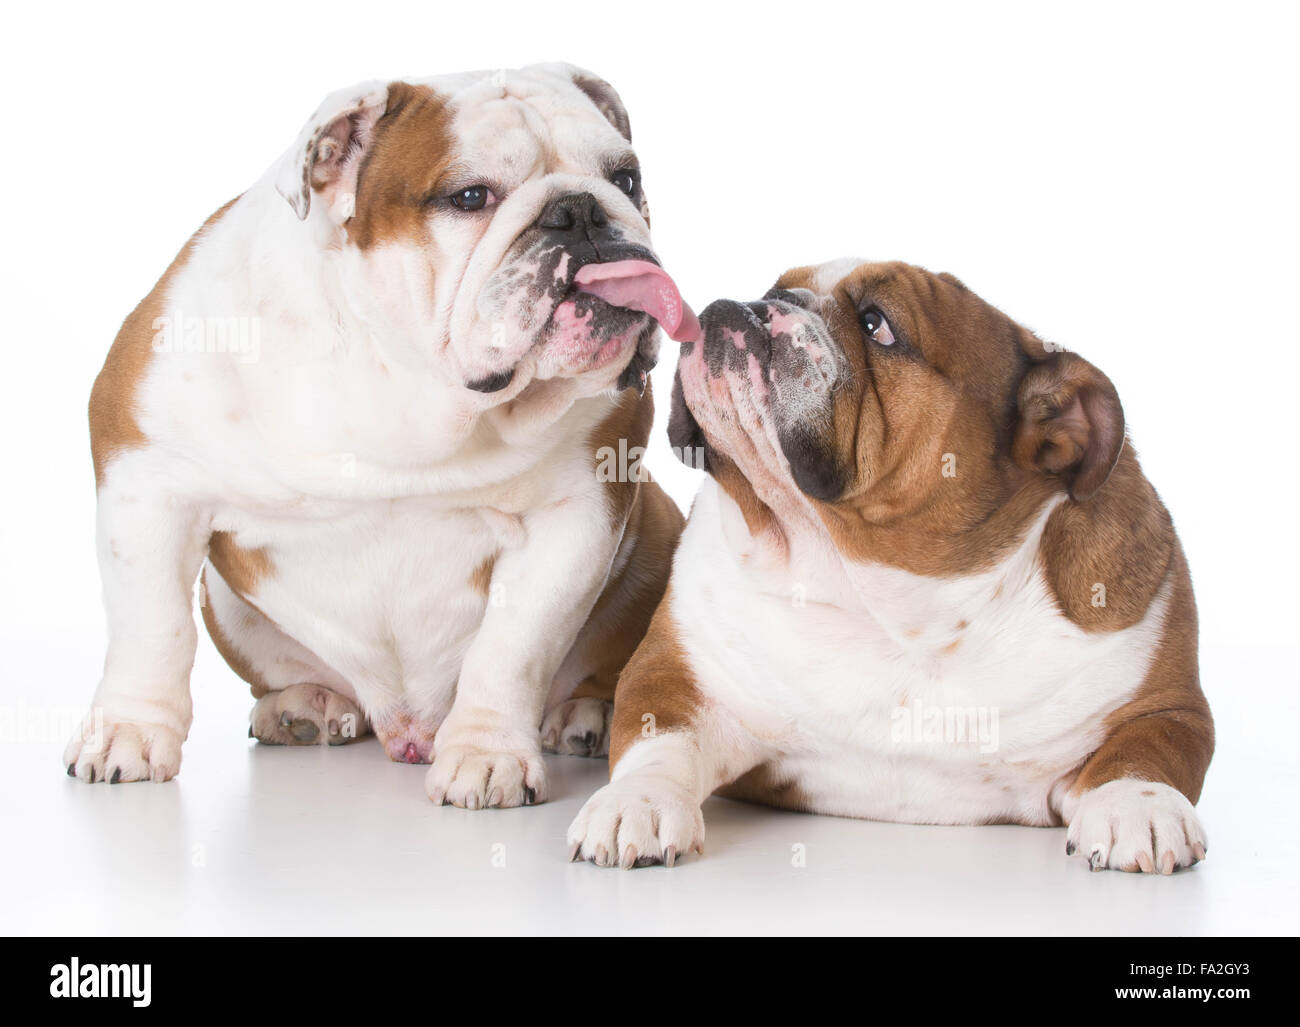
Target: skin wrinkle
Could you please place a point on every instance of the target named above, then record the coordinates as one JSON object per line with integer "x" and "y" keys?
{"x": 368, "y": 174}
{"x": 966, "y": 394}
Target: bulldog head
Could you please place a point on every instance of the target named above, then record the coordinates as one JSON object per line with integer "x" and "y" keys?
{"x": 490, "y": 229}
{"x": 916, "y": 421}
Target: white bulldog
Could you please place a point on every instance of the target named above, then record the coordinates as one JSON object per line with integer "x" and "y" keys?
{"x": 372, "y": 401}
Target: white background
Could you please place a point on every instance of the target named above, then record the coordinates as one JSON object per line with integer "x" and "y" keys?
{"x": 1120, "y": 177}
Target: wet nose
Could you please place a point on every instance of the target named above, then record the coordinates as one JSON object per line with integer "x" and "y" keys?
{"x": 728, "y": 324}
{"x": 575, "y": 213}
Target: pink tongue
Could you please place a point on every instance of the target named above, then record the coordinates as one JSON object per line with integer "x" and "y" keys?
{"x": 641, "y": 285}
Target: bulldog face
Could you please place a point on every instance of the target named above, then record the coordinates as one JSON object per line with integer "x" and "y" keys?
{"x": 882, "y": 394}
{"x": 491, "y": 228}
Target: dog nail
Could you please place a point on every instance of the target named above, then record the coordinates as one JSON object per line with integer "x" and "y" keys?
{"x": 117, "y": 776}
{"x": 286, "y": 718}
{"x": 573, "y": 851}
{"x": 670, "y": 855}
{"x": 1070, "y": 848}
{"x": 629, "y": 858}
{"x": 72, "y": 770}
{"x": 334, "y": 728}
{"x": 1167, "y": 862}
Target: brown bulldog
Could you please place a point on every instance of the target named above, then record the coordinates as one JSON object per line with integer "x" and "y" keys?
{"x": 926, "y": 581}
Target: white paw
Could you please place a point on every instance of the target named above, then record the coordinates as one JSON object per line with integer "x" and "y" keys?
{"x": 635, "y": 822}
{"x": 117, "y": 751}
{"x": 491, "y": 772}
{"x": 1136, "y": 826}
{"x": 579, "y": 727}
{"x": 306, "y": 715}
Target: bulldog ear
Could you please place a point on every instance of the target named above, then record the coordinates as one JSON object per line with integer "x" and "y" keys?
{"x": 1071, "y": 423}
{"x": 328, "y": 152}
{"x": 603, "y": 95}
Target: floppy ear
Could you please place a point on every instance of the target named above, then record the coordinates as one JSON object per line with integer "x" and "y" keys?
{"x": 328, "y": 152}
{"x": 1071, "y": 423}
{"x": 600, "y": 93}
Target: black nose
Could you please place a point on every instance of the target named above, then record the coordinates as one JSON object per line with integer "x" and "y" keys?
{"x": 726, "y": 321}
{"x": 577, "y": 213}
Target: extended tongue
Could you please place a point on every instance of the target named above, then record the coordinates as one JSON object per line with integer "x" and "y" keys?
{"x": 641, "y": 285}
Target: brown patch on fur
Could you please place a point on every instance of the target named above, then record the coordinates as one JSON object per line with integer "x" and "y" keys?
{"x": 758, "y": 516}
{"x": 480, "y": 580}
{"x": 1024, "y": 424}
{"x": 1123, "y": 539}
{"x": 1165, "y": 733}
{"x": 629, "y": 423}
{"x": 657, "y": 680}
{"x": 410, "y": 153}
{"x": 650, "y": 524}
{"x": 241, "y": 569}
{"x": 765, "y": 786}
{"x": 113, "y": 424}
{"x": 946, "y": 391}
{"x": 623, "y": 611}
{"x": 235, "y": 660}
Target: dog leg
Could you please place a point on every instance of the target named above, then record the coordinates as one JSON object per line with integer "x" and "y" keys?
{"x": 488, "y": 751}
{"x": 670, "y": 750}
{"x": 150, "y": 549}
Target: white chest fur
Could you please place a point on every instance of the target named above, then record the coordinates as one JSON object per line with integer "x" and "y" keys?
{"x": 375, "y": 491}
{"x": 887, "y": 695}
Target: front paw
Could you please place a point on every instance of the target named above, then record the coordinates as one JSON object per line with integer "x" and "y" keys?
{"x": 1136, "y": 826}
{"x": 490, "y": 772}
{"x": 636, "y": 822}
{"x": 121, "y": 750}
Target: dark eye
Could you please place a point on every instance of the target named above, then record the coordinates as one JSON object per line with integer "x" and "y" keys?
{"x": 627, "y": 180}
{"x": 877, "y": 328}
{"x": 476, "y": 197}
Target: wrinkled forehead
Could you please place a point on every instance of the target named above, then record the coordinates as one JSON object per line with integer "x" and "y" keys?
{"x": 856, "y": 276}
{"x": 525, "y": 122}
